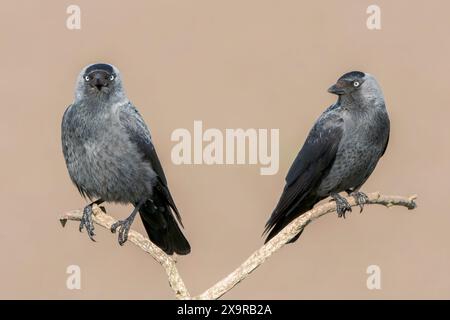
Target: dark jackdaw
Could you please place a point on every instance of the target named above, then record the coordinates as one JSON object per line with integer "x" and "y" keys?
{"x": 110, "y": 157}
{"x": 339, "y": 154}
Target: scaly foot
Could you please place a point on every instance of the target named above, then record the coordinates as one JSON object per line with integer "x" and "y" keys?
{"x": 342, "y": 205}
{"x": 86, "y": 221}
{"x": 124, "y": 227}
{"x": 361, "y": 199}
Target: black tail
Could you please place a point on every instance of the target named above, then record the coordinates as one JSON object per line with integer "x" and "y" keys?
{"x": 162, "y": 228}
{"x": 279, "y": 220}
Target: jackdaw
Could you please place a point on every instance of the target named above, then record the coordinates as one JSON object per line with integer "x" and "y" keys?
{"x": 110, "y": 157}
{"x": 339, "y": 154}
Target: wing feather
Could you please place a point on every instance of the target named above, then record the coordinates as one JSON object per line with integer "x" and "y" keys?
{"x": 308, "y": 169}
{"x": 140, "y": 135}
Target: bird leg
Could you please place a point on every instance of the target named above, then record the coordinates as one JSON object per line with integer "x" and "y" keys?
{"x": 342, "y": 205}
{"x": 125, "y": 225}
{"x": 86, "y": 219}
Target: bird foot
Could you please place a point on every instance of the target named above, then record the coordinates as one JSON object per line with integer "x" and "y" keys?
{"x": 124, "y": 227}
{"x": 87, "y": 222}
{"x": 342, "y": 205}
{"x": 361, "y": 199}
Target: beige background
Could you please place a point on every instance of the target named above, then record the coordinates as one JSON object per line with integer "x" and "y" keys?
{"x": 249, "y": 64}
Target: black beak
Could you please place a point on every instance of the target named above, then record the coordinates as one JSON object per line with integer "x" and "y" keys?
{"x": 335, "y": 90}
{"x": 99, "y": 84}
{"x": 99, "y": 80}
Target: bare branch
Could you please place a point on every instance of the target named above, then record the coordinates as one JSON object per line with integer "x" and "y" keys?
{"x": 167, "y": 262}
{"x": 254, "y": 261}
{"x": 262, "y": 254}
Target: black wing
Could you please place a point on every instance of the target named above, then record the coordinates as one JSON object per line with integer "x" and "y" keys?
{"x": 140, "y": 135}
{"x": 310, "y": 166}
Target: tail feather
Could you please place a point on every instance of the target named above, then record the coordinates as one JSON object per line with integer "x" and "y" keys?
{"x": 162, "y": 228}
{"x": 278, "y": 222}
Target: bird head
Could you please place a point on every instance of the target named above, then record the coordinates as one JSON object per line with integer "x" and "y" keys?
{"x": 99, "y": 81}
{"x": 358, "y": 86}
{"x": 348, "y": 83}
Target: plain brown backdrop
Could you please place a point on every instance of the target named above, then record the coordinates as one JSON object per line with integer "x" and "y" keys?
{"x": 231, "y": 64}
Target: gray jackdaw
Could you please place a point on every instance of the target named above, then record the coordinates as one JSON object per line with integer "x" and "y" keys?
{"x": 110, "y": 157}
{"x": 339, "y": 154}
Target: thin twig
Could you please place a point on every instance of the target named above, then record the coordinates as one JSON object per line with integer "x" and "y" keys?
{"x": 254, "y": 261}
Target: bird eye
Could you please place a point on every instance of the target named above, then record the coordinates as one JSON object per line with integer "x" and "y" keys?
{"x": 111, "y": 77}
{"x": 87, "y": 78}
{"x": 355, "y": 84}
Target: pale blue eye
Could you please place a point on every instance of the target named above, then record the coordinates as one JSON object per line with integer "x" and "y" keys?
{"x": 111, "y": 77}
{"x": 87, "y": 78}
{"x": 356, "y": 84}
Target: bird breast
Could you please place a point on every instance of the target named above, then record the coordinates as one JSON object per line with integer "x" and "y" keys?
{"x": 105, "y": 164}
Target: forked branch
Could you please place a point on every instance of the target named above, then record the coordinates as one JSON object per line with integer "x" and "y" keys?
{"x": 252, "y": 262}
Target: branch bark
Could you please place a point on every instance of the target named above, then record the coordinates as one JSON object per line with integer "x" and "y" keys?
{"x": 253, "y": 262}
{"x": 167, "y": 262}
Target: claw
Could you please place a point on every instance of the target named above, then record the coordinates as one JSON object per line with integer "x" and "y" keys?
{"x": 124, "y": 227}
{"x": 87, "y": 222}
{"x": 361, "y": 199}
{"x": 342, "y": 205}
